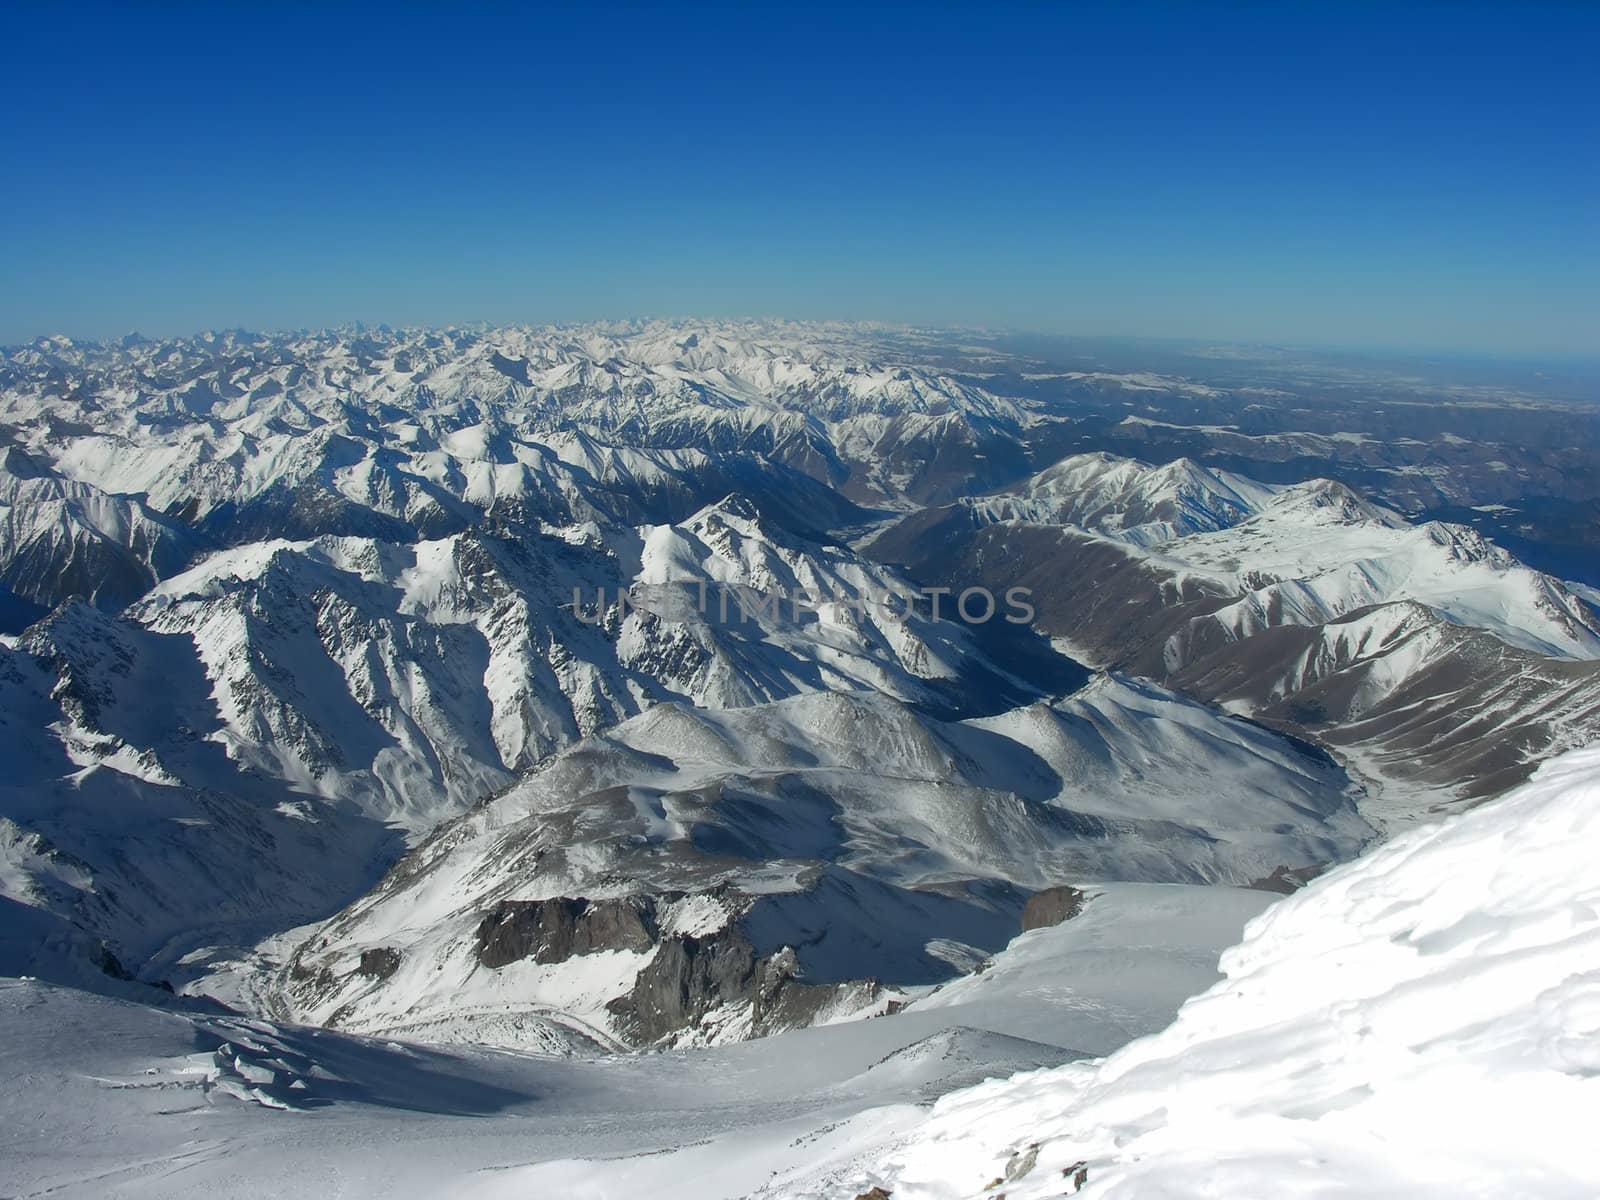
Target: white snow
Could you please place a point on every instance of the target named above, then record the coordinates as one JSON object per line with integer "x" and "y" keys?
{"x": 1301, "y": 554}
{"x": 109, "y": 1097}
{"x": 1128, "y": 500}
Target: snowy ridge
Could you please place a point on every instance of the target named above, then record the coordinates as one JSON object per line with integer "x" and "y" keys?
{"x": 320, "y": 697}
{"x": 61, "y": 538}
{"x": 1440, "y": 666}
{"x": 1297, "y": 554}
{"x": 126, "y": 822}
{"x": 1318, "y": 551}
{"x": 1129, "y": 500}
{"x": 475, "y": 656}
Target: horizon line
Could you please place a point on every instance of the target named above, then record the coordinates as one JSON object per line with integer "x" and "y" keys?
{"x": 1563, "y": 356}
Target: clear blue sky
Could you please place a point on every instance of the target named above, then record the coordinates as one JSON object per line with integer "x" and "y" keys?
{"x": 1291, "y": 173}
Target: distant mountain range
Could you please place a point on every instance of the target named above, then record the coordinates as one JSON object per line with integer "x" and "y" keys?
{"x": 300, "y": 636}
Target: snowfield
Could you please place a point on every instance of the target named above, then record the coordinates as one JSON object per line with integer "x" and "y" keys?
{"x": 104, "y": 1096}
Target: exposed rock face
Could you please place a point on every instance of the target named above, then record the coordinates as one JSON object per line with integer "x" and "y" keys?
{"x": 699, "y": 966}
{"x": 688, "y": 978}
{"x": 102, "y": 957}
{"x": 691, "y": 977}
{"x": 781, "y": 1001}
{"x": 552, "y": 931}
{"x": 1051, "y": 907}
{"x": 379, "y": 963}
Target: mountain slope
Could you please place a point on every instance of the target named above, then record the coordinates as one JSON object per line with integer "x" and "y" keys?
{"x": 1128, "y": 500}
{"x": 60, "y": 538}
{"x": 841, "y": 841}
{"x": 1402, "y": 645}
{"x": 322, "y": 699}
{"x": 123, "y": 818}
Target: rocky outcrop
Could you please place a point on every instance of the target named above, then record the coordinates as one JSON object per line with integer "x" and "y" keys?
{"x": 1286, "y": 880}
{"x": 379, "y": 963}
{"x": 100, "y": 955}
{"x": 783, "y": 1001}
{"x": 688, "y": 978}
{"x": 1051, "y": 907}
{"x": 554, "y": 930}
{"x": 692, "y": 977}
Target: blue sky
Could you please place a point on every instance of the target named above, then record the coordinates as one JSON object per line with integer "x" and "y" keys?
{"x": 1359, "y": 175}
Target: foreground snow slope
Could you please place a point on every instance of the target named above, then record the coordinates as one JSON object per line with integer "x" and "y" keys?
{"x": 102, "y": 1097}
{"x": 1420, "y": 1023}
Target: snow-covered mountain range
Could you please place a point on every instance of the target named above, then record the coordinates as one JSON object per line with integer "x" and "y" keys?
{"x": 542, "y": 688}
{"x": 1426, "y": 652}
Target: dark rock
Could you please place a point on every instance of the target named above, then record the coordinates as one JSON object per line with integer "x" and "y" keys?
{"x": 301, "y": 972}
{"x": 1285, "y": 880}
{"x": 782, "y": 1001}
{"x": 379, "y": 963}
{"x": 691, "y": 977}
{"x": 552, "y": 931}
{"x": 538, "y": 929}
{"x": 688, "y": 978}
{"x": 102, "y": 957}
{"x": 876, "y": 1193}
{"x": 1051, "y": 907}
{"x": 626, "y": 923}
